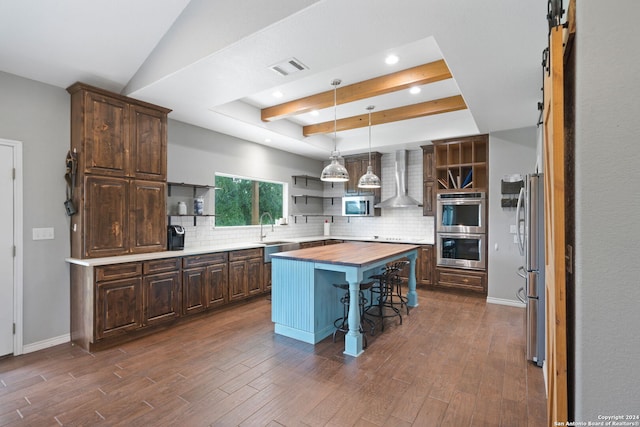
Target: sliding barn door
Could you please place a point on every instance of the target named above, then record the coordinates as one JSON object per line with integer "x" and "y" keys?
{"x": 554, "y": 216}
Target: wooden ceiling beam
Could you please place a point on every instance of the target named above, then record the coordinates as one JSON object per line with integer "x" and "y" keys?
{"x": 437, "y": 106}
{"x": 422, "y": 74}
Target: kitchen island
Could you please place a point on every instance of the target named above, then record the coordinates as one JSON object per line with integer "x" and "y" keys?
{"x": 304, "y": 301}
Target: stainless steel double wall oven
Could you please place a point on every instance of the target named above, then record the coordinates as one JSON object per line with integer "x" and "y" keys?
{"x": 461, "y": 230}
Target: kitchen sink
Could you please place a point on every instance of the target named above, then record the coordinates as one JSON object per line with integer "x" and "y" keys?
{"x": 272, "y": 247}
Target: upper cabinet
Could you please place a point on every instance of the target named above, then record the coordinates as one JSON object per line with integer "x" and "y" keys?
{"x": 462, "y": 163}
{"x": 357, "y": 165}
{"x": 120, "y": 189}
{"x": 117, "y": 136}
{"x": 429, "y": 182}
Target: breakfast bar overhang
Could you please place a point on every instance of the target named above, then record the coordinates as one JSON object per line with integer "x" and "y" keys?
{"x": 304, "y": 301}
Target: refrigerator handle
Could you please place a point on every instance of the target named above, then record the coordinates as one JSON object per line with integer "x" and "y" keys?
{"x": 520, "y": 295}
{"x": 521, "y": 272}
{"x": 519, "y": 220}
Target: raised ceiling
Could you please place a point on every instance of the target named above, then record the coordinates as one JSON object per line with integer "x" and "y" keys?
{"x": 210, "y": 62}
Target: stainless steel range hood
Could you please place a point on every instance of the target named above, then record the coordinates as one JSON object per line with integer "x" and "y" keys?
{"x": 401, "y": 199}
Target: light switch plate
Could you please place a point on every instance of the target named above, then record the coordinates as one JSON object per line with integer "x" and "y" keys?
{"x": 513, "y": 229}
{"x": 43, "y": 233}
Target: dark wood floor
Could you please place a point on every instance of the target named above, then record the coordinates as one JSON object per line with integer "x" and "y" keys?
{"x": 455, "y": 361}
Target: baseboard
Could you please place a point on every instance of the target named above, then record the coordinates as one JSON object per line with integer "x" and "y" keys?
{"x": 41, "y": 345}
{"x": 508, "y": 302}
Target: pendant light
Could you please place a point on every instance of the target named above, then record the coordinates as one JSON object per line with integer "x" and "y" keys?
{"x": 335, "y": 171}
{"x": 369, "y": 179}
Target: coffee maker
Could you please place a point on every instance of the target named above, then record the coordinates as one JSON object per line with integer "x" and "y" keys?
{"x": 175, "y": 237}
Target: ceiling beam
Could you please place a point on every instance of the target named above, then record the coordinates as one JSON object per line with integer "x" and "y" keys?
{"x": 422, "y": 74}
{"x": 437, "y": 106}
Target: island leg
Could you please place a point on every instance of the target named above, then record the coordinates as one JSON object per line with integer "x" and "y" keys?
{"x": 412, "y": 295}
{"x": 353, "y": 339}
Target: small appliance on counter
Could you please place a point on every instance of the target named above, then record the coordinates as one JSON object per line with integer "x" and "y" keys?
{"x": 175, "y": 238}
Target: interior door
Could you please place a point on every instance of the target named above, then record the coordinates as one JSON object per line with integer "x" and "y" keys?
{"x": 6, "y": 250}
{"x": 554, "y": 218}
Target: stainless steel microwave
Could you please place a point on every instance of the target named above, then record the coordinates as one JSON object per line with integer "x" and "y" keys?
{"x": 358, "y": 206}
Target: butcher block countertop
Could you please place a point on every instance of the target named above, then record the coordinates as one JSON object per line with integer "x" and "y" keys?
{"x": 351, "y": 253}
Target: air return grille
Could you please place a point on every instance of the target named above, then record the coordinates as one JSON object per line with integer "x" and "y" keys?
{"x": 289, "y": 66}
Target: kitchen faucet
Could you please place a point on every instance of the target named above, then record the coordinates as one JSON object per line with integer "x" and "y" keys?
{"x": 262, "y": 236}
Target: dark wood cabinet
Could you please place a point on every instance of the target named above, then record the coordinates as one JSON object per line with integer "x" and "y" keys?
{"x": 205, "y": 281}
{"x": 148, "y": 143}
{"x": 193, "y": 290}
{"x": 113, "y": 303}
{"x": 429, "y": 181}
{"x": 217, "y": 284}
{"x": 461, "y": 279}
{"x": 105, "y": 230}
{"x": 245, "y": 273}
{"x": 357, "y": 166}
{"x": 118, "y": 299}
{"x": 148, "y": 222}
{"x": 161, "y": 297}
{"x": 122, "y": 216}
{"x": 424, "y": 266}
{"x": 124, "y": 142}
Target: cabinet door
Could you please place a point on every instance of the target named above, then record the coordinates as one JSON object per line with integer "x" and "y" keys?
{"x": 429, "y": 181}
{"x": 118, "y": 307}
{"x": 193, "y": 290}
{"x": 148, "y": 143}
{"x": 148, "y": 226}
{"x": 425, "y": 265}
{"x": 266, "y": 274}
{"x": 238, "y": 285}
{"x": 106, "y": 215}
{"x": 354, "y": 167}
{"x": 254, "y": 276}
{"x": 217, "y": 284}
{"x": 105, "y": 135}
{"x": 161, "y": 300}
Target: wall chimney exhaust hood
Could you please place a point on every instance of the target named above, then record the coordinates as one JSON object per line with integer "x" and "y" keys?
{"x": 401, "y": 199}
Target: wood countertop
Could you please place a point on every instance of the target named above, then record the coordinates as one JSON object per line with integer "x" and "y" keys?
{"x": 353, "y": 253}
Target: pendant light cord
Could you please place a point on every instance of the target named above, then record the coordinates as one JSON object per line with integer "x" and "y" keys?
{"x": 370, "y": 107}
{"x": 335, "y": 84}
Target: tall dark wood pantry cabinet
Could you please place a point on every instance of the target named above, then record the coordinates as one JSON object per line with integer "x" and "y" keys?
{"x": 120, "y": 188}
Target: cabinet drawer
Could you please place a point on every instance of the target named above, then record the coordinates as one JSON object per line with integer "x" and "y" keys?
{"x": 461, "y": 279}
{"x": 161, "y": 265}
{"x": 245, "y": 254}
{"x": 118, "y": 271}
{"x": 204, "y": 259}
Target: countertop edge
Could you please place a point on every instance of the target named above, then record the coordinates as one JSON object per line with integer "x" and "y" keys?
{"x": 90, "y": 262}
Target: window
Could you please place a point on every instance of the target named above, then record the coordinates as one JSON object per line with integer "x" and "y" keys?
{"x": 241, "y": 201}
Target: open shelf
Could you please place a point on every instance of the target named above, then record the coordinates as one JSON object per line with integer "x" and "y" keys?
{"x": 461, "y": 164}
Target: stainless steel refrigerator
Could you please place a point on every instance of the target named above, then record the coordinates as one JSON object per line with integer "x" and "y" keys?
{"x": 530, "y": 232}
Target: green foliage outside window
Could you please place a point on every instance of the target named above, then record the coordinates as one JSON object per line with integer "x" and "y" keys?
{"x": 236, "y": 200}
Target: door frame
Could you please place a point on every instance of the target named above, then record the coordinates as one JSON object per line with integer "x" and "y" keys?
{"x": 18, "y": 242}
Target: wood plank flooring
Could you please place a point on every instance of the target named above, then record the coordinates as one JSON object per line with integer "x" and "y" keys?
{"x": 455, "y": 361}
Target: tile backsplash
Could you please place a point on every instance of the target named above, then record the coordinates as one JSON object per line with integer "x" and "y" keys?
{"x": 393, "y": 223}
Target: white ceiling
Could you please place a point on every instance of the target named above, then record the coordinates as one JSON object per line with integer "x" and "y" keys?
{"x": 209, "y": 60}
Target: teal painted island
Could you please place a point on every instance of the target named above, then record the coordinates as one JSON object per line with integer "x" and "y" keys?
{"x": 304, "y": 301}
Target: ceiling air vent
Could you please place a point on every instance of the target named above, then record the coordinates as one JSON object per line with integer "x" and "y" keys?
{"x": 289, "y": 66}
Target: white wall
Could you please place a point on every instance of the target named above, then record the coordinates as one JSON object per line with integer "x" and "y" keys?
{"x": 607, "y": 203}
{"x": 38, "y": 115}
{"x": 510, "y": 152}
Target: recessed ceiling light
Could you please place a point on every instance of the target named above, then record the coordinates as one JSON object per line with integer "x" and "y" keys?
{"x": 314, "y": 113}
{"x": 415, "y": 90}
{"x": 267, "y": 140}
{"x": 277, "y": 94}
{"x": 391, "y": 59}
